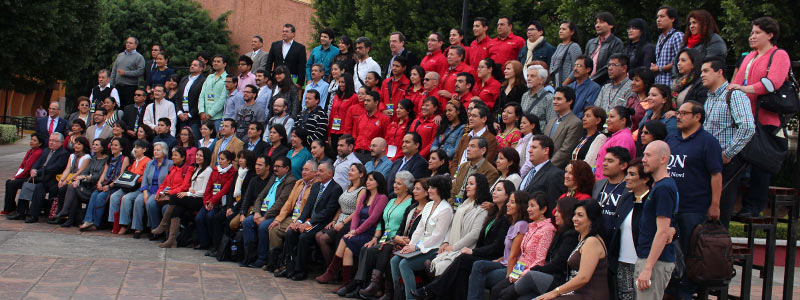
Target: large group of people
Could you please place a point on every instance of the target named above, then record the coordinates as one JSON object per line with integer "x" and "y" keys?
{"x": 509, "y": 166}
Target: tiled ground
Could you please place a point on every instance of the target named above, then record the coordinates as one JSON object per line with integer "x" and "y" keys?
{"x": 41, "y": 261}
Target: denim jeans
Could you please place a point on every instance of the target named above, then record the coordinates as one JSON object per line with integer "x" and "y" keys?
{"x": 485, "y": 274}
{"x": 260, "y": 233}
{"x": 204, "y": 226}
{"x": 686, "y": 224}
{"x": 126, "y": 207}
{"x": 114, "y": 204}
{"x": 96, "y": 207}
{"x": 154, "y": 211}
{"x": 403, "y": 268}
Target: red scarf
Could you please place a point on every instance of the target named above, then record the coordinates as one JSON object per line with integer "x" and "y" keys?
{"x": 693, "y": 40}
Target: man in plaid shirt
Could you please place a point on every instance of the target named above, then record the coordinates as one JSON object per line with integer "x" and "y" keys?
{"x": 731, "y": 123}
{"x": 669, "y": 43}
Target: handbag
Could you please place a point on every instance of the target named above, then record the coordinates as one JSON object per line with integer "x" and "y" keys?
{"x": 26, "y": 192}
{"x": 766, "y": 150}
{"x": 128, "y": 180}
{"x": 785, "y": 99}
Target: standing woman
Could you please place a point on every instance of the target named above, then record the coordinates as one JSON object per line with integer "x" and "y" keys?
{"x": 510, "y": 133}
{"x": 189, "y": 143}
{"x": 286, "y": 89}
{"x": 373, "y": 81}
{"x": 347, "y": 55}
{"x": 561, "y": 64}
{"x": 345, "y": 96}
{"x": 337, "y": 228}
{"x": 660, "y": 99}
{"x": 122, "y": 200}
{"x": 435, "y": 220}
{"x": 593, "y": 120}
{"x": 508, "y": 166}
{"x": 578, "y": 180}
{"x": 299, "y": 153}
{"x": 83, "y": 184}
{"x": 162, "y": 73}
{"x": 154, "y": 174}
{"x": 528, "y": 126}
{"x": 415, "y": 91}
{"x": 208, "y": 134}
{"x": 619, "y": 123}
{"x": 97, "y": 201}
{"x": 177, "y": 181}
{"x": 763, "y": 36}
{"x": 639, "y": 50}
{"x": 450, "y": 130}
{"x": 82, "y": 113}
{"x": 425, "y": 125}
{"x": 279, "y": 142}
{"x": 513, "y": 86}
{"x": 192, "y": 199}
{"x": 641, "y": 81}
{"x": 398, "y": 127}
{"x": 172, "y": 89}
{"x": 486, "y": 89}
{"x": 219, "y": 182}
{"x": 337, "y": 69}
{"x": 113, "y": 113}
{"x": 651, "y": 131}
{"x": 702, "y": 34}
{"x": 688, "y": 85}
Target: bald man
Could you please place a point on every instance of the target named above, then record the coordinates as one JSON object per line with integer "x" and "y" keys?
{"x": 379, "y": 163}
{"x": 655, "y": 250}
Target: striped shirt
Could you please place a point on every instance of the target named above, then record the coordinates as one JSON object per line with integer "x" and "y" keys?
{"x": 720, "y": 119}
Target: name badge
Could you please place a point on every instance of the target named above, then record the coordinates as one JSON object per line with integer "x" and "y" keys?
{"x": 337, "y": 124}
{"x": 166, "y": 189}
{"x": 457, "y": 202}
{"x": 517, "y": 271}
{"x": 217, "y": 187}
{"x": 210, "y": 98}
{"x": 185, "y": 104}
{"x": 295, "y": 214}
{"x": 384, "y": 237}
{"x": 419, "y": 243}
{"x": 390, "y": 108}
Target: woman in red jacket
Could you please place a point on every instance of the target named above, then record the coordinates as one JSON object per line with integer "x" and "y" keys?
{"x": 404, "y": 116}
{"x": 345, "y": 96}
{"x": 415, "y": 91}
{"x": 425, "y": 125}
{"x": 218, "y": 185}
{"x": 13, "y": 184}
{"x": 177, "y": 181}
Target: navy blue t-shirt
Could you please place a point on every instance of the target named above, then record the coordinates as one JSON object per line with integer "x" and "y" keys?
{"x": 609, "y": 197}
{"x": 661, "y": 202}
{"x": 691, "y": 164}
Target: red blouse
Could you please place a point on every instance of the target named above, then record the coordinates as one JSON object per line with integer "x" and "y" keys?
{"x": 339, "y": 112}
{"x": 426, "y": 128}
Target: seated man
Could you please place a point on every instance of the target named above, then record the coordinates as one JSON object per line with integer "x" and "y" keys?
{"x": 15, "y": 183}
{"x": 52, "y": 162}
{"x": 291, "y": 211}
{"x": 254, "y": 142}
{"x": 256, "y": 185}
{"x": 320, "y": 209}
{"x": 476, "y": 163}
{"x": 379, "y": 162}
{"x": 163, "y": 133}
{"x": 411, "y": 161}
{"x": 272, "y": 197}
{"x": 99, "y": 129}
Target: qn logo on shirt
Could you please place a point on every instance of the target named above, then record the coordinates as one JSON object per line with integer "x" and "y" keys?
{"x": 609, "y": 198}
{"x": 677, "y": 162}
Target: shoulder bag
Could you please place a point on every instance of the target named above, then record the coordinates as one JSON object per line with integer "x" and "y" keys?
{"x": 766, "y": 150}
{"x": 783, "y": 100}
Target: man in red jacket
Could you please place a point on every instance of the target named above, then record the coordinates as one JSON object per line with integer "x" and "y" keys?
{"x": 369, "y": 126}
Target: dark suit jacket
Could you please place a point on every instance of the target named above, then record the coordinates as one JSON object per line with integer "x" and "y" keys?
{"x": 491, "y": 244}
{"x": 42, "y": 124}
{"x": 260, "y": 148}
{"x": 550, "y": 180}
{"x": 148, "y": 72}
{"x": 129, "y": 116}
{"x": 281, "y": 195}
{"x": 295, "y": 59}
{"x": 328, "y": 204}
{"x": 56, "y": 165}
{"x": 194, "y": 95}
{"x": 412, "y": 61}
{"x": 568, "y": 134}
{"x": 236, "y": 206}
{"x": 416, "y": 165}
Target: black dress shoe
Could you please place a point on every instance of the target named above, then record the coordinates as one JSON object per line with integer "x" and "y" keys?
{"x": 300, "y": 276}
{"x": 349, "y": 289}
{"x": 15, "y": 216}
{"x": 31, "y": 220}
{"x": 137, "y": 235}
{"x": 57, "y": 220}
{"x": 157, "y": 237}
{"x": 422, "y": 293}
{"x": 283, "y": 272}
{"x": 66, "y": 224}
{"x": 268, "y": 268}
{"x": 255, "y": 265}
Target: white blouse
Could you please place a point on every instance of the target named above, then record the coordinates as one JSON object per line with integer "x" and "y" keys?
{"x": 199, "y": 182}
{"x": 433, "y": 227}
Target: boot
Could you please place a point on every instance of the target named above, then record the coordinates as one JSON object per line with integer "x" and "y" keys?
{"x": 374, "y": 287}
{"x": 388, "y": 290}
{"x": 333, "y": 269}
{"x": 347, "y": 282}
{"x": 165, "y": 221}
{"x": 174, "y": 227}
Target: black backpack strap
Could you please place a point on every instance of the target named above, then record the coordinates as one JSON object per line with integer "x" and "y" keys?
{"x": 730, "y": 111}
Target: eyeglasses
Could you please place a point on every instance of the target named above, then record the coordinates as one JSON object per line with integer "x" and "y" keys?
{"x": 139, "y": 95}
{"x": 614, "y": 65}
{"x": 279, "y": 166}
{"x": 682, "y": 113}
{"x": 427, "y": 79}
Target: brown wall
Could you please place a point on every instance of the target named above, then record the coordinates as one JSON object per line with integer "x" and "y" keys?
{"x": 262, "y": 17}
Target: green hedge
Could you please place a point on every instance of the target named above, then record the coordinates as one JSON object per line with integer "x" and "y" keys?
{"x": 736, "y": 229}
{"x": 8, "y": 134}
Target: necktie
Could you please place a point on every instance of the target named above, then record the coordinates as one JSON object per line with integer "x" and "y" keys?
{"x": 528, "y": 179}
{"x": 50, "y": 128}
{"x": 319, "y": 195}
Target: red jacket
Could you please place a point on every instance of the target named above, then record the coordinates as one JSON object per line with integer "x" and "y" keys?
{"x": 27, "y": 163}
{"x": 467, "y": 53}
{"x": 487, "y": 91}
{"x": 503, "y": 50}
{"x": 339, "y": 112}
{"x": 427, "y": 130}
{"x": 419, "y": 97}
{"x": 479, "y": 51}
{"x": 355, "y": 111}
{"x": 178, "y": 179}
{"x": 369, "y": 127}
{"x": 394, "y": 135}
{"x": 464, "y": 99}
{"x": 434, "y": 62}
{"x": 222, "y": 181}
{"x": 449, "y": 79}
{"x": 399, "y": 88}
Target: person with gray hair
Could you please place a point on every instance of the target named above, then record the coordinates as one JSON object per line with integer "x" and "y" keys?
{"x": 154, "y": 174}
{"x": 52, "y": 161}
{"x": 364, "y": 63}
{"x": 538, "y": 101}
{"x": 128, "y": 67}
{"x": 102, "y": 90}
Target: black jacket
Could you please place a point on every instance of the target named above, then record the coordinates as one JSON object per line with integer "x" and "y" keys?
{"x": 295, "y": 59}
{"x": 42, "y": 126}
{"x": 259, "y": 149}
{"x": 236, "y": 206}
{"x": 557, "y": 254}
{"x": 491, "y": 245}
{"x": 322, "y": 213}
{"x": 416, "y": 165}
{"x": 254, "y": 187}
{"x": 129, "y": 114}
{"x": 402, "y": 230}
{"x": 410, "y": 57}
{"x": 194, "y": 96}
{"x": 550, "y": 180}
{"x": 54, "y": 167}
{"x": 624, "y": 207}
{"x": 280, "y": 151}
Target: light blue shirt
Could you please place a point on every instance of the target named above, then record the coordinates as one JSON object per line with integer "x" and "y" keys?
{"x": 383, "y": 165}
{"x": 322, "y": 88}
{"x": 270, "y": 199}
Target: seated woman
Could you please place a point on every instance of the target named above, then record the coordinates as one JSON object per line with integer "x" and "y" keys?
{"x": 579, "y": 180}
{"x": 641, "y": 81}
{"x": 450, "y": 130}
{"x": 540, "y": 278}
{"x": 454, "y": 281}
{"x": 78, "y": 129}
{"x": 208, "y": 135}
{"x": 192, "y": 199}
{"x": 340, "y": 226}
{"x": 467, "y": 223}
{"x": 187, "y": 141}
{"x": 218, "y": 185}
{"x": 14, "y": 183}
{"x": 528, "y": 126}
{"x": 122, "y": 200}
{"x": 362, "y": 229}
{"x": 118, "y": 131}
{"x": 145, "y": 133}
{"x": 83, "y": 184}
{"x": 374, "y": 256}
{"x": 426, "y": 124}
{"x": 438, "y": 163}
{"x": 435, "y": 221}
{"x": 619, "y": 123}
{"x": 660, "y": 110}
{"x": 507, "y": 164}
{"x": 278, "y": 140}
{"x": 651, "y": 131}
{"x": 588, "y": 263}
{"x": 154, "y": 174}
{"x": 77, "y": 162}
{"x": 177, "y": 181}
{"x": 105, "y": 187}
{"x": 319, "y": 152}
{"x": 528, "y": 249}
{"x": 594, "y": 118}
{"x": 246, "y": 172}
{"x": 299, "y": 153}
{"x": 509, "y": 133}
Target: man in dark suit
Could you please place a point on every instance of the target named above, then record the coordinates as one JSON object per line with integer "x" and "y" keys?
{"x": 397, "y": 44}
{"x": 321, "y": 206}
{"x": 565, "y": 129}
{"x": 189, "y": 89}
{"x": 52, "y": 123}
{"x": 411, "y": 161}
{"x": 53, "y": 161}
{"x": 254, "y": 142}
{"x": 150, "y": 64}
{"x": 544, "y": 176}
{"x": 133, "y": 114}
{"x": 288, "y": 52}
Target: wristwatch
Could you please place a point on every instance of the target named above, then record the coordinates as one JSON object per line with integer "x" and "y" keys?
{"x": 558, "y": 291}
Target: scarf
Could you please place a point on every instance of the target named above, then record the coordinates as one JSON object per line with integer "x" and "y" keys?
{"x": 680, "y": 84}
{"x": 224, "y": 170}
{"x": 237, "y": 190}
{"x": 531, "y": 47}
{"x": 693, "y": 40}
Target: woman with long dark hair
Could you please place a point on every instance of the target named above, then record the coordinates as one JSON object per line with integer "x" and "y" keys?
{"x": 702, "y": 34}
{"x": 688, "y": 85}
{"x": 593, "y": 120}
{"x": 639, "y": 50}
{"x": 561, "y": 63}
{"x": 177, "y": 181}
{"x": 112, "y": 169}
{"x": 82, "y": 184}
{"x": 507, "y": 164}
{"x": 285, "y": 88}
{"x": 188, "y": 142}
{"x": 509, "y": 133}
{"x": 641, "y": 81}
{"x": 528, "y": 126}
{"x": 425, "y": 124}
{"x": 451, "y": 128}
{"x": 618, "y": 126}
{"x": 279, "y": 142}
{"x": 660, "y": 99}
{"x": 513, "y": 85}
{"x": 416, "y": 90}
{"x": 219, "y": 182}
{"x": 578, "y": 180}
{"x": 347, "y": 54}
{"x": 345, "y": 97}
{"x": 438, "y": 163}
{"x": 398, "y": 127}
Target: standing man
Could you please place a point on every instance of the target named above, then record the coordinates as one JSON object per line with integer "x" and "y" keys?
{"x": 456, "y": 65}
{"x": 618, "y": 89}
{"x": 290, "y": 53}
{"x": 654, "y": 248}
{"x": 609, "y": 190}
{"x": 322, "y": 55}
{"x": 565, "y": 129}
{"x": 313, "y": 119}
{"x": 397, "y": 45}
{"x": 246, "y": 77}
{"x": 160, "y": 109}
{"x": 254, "y": 141}
{"x": 211, "y": 101}
{"x": 434, "y": 60}
{"x": 603, "y": 46}
{"x": 535, "y": 47}
{"x": 480, "y": 45}
{"x": 102, "y": 91}
{"x": 368, "y": 126}
{"x": 280, "y": 116}
{"x": 52, "y": 123}
{"x": 696, "y": 166}
{"x": 544, "y": 176}
{"x": 258, "y": 56}
{"x": 316, "y": 83}
{"x": 506, "y": 45}
{"x": 379, "y": 162}
{"x": 126, "y": 70}
{"x": 586, "y": 90}
{"x": 190, "y": 88}
{"x": 250, "y": 112}
{"x": 364, "y": 63}
{"x": 345, "y": 158}
{"x": 264, "y": 91}
{"x": 731, "y": 124}
{"x": 150, "y": 65}
{"x": 463, "y": 91}
{"x": 394, "y": 87}
{"x": 234, "y": 99}
{"x": 163, "y": 135}
{"x": 669, "y": 43}
{"x": 133, "y": 114}
{"x": 478, "y": 116}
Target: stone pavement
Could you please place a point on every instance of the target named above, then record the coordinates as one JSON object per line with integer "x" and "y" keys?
{"x": 42, "y": 261}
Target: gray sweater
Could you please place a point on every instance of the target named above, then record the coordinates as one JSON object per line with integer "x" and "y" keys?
{"x": 132, "y": 64}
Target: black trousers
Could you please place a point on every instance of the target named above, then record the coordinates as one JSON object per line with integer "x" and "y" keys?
{"x": 299, "y": 244}
{"x": 453, "y": 282}
{"x": 48, "y": 187}
{"x": 185, "y": 204}
{"x": 12, "y": 187}
{"x": 731, "y": 179}
{"x": 126, "y": 93}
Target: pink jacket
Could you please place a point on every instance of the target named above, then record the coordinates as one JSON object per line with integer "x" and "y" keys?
{"x": 777, "y": 74}
{"x": 622, "y": 138}
{"x": 375, "y": 213}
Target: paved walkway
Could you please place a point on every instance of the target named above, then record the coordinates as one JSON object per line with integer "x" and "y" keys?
{"x": 42, "y": 261}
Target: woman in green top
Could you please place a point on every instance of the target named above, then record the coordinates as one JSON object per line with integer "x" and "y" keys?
{"x": 299, "y": 153}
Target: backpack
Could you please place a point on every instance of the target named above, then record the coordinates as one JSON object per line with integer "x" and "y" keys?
{"x": 709, "y": 260}
{"x": 231, "y": 248}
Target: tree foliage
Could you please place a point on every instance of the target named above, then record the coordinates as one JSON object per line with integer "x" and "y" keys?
{"x": 417, "y": 19}
{"x": 44, "y": 41}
